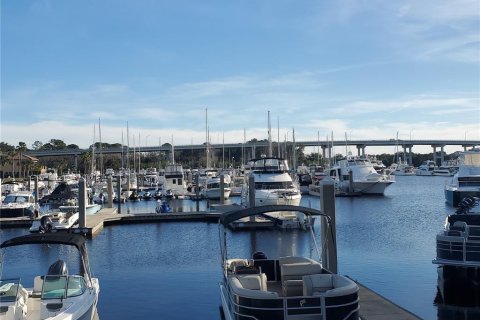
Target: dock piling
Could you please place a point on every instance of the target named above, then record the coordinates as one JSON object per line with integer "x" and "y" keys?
{"x": 222, "y": 188}
{"x": 327, "y": 203}
{"x": 82, "y": 197}
{"x": 110, "y": 191}
{"x": 251, "y": 194}
{"x": 119, "y": 193}
{"x": 35, "y": 190}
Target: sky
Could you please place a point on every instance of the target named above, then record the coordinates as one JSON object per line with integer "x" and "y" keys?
{"x": 368, "y": 69}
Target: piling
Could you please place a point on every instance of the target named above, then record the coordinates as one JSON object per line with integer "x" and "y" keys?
{"x": 119, "y": 194}
{"x": 222, "y": 188}
{"x": 110, "y": 191}
{"x": 35, "y": 190}
{"x": 128, "y": 184}
{"x": 197, "y": 190}
{"x": 329, "y": 256}
{"x": 82, "y": 197}
{"x": 350, "y": 182}
{"x": 251, "y": 194}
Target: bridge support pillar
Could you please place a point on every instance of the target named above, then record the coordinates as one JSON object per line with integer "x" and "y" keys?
{"x": 442, "y": 156}
{"x": 410, "y": 160}
{"x": 361, "y": 150}
{"x": 434, "y": 154}
{"x": 324, "y": 152}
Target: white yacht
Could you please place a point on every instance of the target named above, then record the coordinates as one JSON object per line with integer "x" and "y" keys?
{"x": 212, "y": 188}
{"x": 445, "y": 171}
{"x": 18, "y": 204}
{"x": 357, "y": 175}
{"x": 274, "y": 186}
{"x": 174, "y": 180}
{"x": 426, "y": 168}
{"x": 402, "y": 169}
{"x": 466, "y": 182}
{"x": 286, "y": 287}
{"x": 57, "y": 294}
{"x": 63, "y": 219}
{"x": 458, "y": 254}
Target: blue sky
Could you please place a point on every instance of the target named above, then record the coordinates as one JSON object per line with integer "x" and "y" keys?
{"x": 369, "y": 68}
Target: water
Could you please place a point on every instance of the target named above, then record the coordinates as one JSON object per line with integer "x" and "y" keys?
{"x": 172, "y": 270}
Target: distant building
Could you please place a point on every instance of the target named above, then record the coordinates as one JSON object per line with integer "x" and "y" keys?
{"x": 13, "y": 168}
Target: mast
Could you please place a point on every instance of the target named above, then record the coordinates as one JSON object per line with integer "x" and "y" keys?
{"x": 128, "y": 150}
{"x": 93, "y": 150}
{"x": 206, "y": 138}
{"x": 101, "y": 147}
{"x": 139, "y": 154}
{"x": 223, "y": 151}
{"x": 173, "y": 152}
{"x": 278, "y": 137}
{"x": 294, "y": 151}
{"x": 122, "y": 151}
{"x": 269, "y": 136}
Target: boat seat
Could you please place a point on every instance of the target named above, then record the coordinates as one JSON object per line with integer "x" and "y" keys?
{"x": 237, "y": 286}
{"x": 232, "y": 264}
{"x": 292, "y": 270}
{"x": 253, "y": 281}
{"x": 330, "y": 285}
{"x": 37, "y": 286}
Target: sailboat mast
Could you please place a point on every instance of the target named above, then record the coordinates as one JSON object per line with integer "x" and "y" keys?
{"x": 128, "y": 150}
{"x": 101, "y": 147}
{"x": 278, "y": 137}
{"x": 269, "y": 136}
{"x": 206, "y": 138}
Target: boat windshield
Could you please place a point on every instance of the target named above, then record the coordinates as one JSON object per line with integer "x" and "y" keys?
{"x": 9, "y": 289}
{"x": 15, "y": 199}
{"x": 270, "y": 165}
{"x": 60, "y": 287}
{"x": 274, "y": 185}
{"x": 472, "y": 159}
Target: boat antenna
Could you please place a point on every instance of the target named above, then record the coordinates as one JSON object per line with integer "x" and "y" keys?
{"x": 278, "y": 136}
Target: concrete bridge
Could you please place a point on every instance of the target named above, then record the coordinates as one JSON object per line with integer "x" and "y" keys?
{"x": 326, "y": 146}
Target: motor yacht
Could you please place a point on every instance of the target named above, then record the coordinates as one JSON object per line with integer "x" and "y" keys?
{"x": 466, "y": 182}
{"x": 174, "y": 180}
{"x": 286, "y": 287}
{"x": 274, "y": 186}
{"x": 426, "y": 168}
{"x": 212, "y": 188}
{"x": 66, "y": 217}
{"x": 57, "y": 294}
{"x": 458, "y": 253}
{"x": 18, "y": 204}
{"x": 357, "y": 175}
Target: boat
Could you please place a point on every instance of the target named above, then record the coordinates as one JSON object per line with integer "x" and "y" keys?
{"x": 163, "y": 207}
{"x": 158, "y": 194}
{"x": 174, "y": 180}
{"x": 18, "y": 204}
{"x": 458, "y": 253}
{"x": 402, "y": 169}
{"x": 286, "y": 287}
{"x": 274, "y": 186}
{"x": 134, "y": 196}
{"x": 445, "y": 171}
{"x": 57, "y": 294}
{"x": 147, "y": 196}
{"x": 466, "y": 182}
{"x": 237, "y": 186}
{"x": 356, "y": 175}
{"x": 426, "y": 168}
{"x": 212, "y": 188}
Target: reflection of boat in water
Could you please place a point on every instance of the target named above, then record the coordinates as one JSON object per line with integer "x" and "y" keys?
{"x": 58, "y": 294}
{"x": 287, "y": 287}
{"x": 458, "y": 255}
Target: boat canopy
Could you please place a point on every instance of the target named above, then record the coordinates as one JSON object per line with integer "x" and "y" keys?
{"x": 234, "y": 215}
{"x": 65, "y": 238}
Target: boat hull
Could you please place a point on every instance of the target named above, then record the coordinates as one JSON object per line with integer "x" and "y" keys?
{"x": 16, "y": 212}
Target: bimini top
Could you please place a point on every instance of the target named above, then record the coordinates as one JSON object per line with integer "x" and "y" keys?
{"x": 65, "y": 238}
{"x": 231, "y": 216}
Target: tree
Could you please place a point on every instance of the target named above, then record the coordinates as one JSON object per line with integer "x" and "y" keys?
{"x": 21, "y": 148}
{"x": 37, "y": 145}
{"x": 73, "y": 146}
{"x": 58, "y": 144}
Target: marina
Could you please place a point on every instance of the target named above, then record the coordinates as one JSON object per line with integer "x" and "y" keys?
{"x": 386, "y": 243}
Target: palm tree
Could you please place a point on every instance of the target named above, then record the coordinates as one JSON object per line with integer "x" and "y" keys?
{"x": 21, "y": 148}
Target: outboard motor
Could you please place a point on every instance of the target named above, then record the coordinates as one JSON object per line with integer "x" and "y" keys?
{"x": 259, "y": 255}
{"x": 58, "y": 268}
{"x": 45, "y": 224}
{"x": 466, "y": 204}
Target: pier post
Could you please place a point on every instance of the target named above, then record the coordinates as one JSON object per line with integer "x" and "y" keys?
{"x": 35, "y": 190}
{"x": 197, "y": 190}
{"x": 110, "y": 191}
{"x": 82, "y": 203}
{"x": 128, "y": 184}
{"x": 119, "y": 193}
{"x": 251, "y": 194}
{"x": 329, "y": 233}
{"x": 350, "y": 181}
{"x": 222, "y": 188}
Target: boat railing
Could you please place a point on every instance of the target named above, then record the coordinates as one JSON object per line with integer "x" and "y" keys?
{"x": 460, "y": 246}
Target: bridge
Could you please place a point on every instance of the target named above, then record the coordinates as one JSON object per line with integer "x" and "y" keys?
{"x": 326, "y": 146}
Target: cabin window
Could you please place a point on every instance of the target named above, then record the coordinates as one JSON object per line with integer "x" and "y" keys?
{"x": 54, "y": 287}
{"x": 76, "y": 286}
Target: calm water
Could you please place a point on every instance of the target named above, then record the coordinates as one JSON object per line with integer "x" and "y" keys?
{"x": 172, "y": 270}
